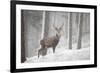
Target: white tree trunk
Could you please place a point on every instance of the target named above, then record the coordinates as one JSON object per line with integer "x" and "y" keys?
{"x": 43, "y": 24}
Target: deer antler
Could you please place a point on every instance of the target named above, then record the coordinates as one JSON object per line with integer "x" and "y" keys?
{"x": 61, "y": 26}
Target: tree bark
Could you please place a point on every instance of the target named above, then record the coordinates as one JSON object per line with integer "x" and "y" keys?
{"x": 70, "y": 30}
{"x": 46, "y": 25}
{"x": 79, "y": 44}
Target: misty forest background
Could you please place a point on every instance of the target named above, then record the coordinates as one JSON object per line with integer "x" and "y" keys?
{"x": 76, "y": 34}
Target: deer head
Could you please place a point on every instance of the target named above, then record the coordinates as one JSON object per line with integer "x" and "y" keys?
{"x": 59, "y": 31}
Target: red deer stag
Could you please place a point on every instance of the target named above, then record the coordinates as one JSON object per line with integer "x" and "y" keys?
{"x": 50, "y": 42}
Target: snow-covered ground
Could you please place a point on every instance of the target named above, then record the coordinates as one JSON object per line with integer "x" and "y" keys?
{"x": 64, "y": 54}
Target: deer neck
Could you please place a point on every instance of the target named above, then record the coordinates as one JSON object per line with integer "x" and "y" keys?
{"x": 58, "y": 37}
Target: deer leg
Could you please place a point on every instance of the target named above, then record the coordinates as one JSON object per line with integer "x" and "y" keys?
{"x": 39, "y": 53}
{"x": 53, "y": 49}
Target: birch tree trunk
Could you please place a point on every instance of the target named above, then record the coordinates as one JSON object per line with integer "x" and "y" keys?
{"x": 43, "y": 24}
{"x": 79, "y": 44}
